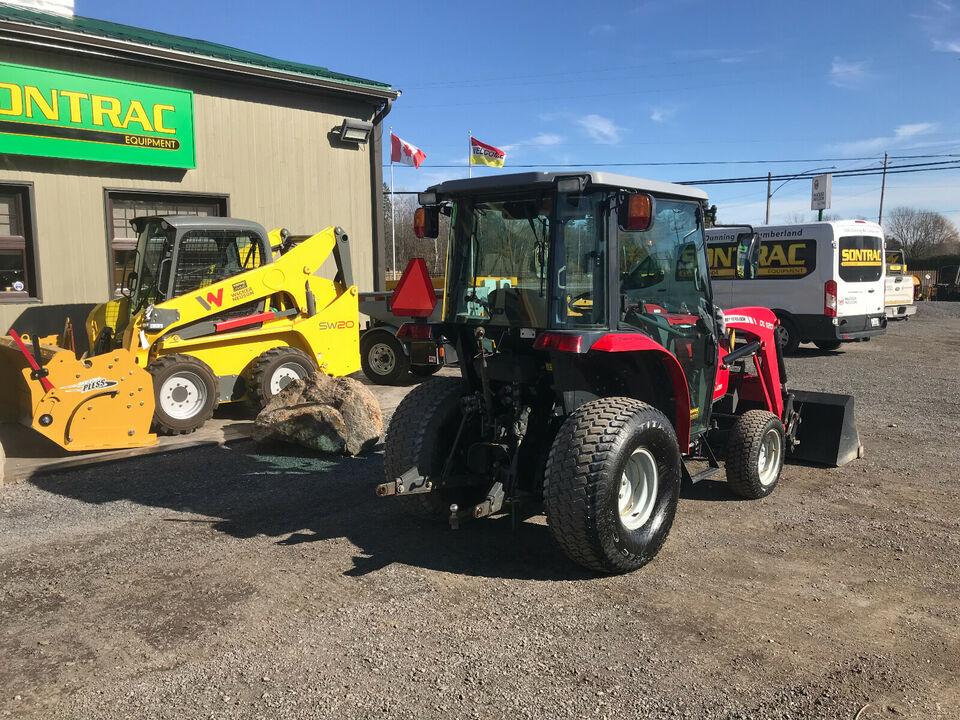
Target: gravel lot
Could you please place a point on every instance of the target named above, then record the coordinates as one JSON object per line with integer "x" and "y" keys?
{"x": 236, "y": 583}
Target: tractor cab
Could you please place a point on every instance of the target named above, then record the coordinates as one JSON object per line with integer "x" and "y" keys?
{"x": 542, "y": 258}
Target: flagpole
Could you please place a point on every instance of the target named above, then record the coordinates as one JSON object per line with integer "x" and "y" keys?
{"x": 393, "y": 210}
{"x": 469, "y": 153}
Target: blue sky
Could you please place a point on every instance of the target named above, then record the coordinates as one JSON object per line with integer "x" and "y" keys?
{"x": 663, "y": 81}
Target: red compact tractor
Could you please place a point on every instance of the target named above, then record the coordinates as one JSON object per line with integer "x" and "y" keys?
{"x": 593, "y": 366}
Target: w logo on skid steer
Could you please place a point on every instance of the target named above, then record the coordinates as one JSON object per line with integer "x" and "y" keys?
{"x": 212, "y": 299}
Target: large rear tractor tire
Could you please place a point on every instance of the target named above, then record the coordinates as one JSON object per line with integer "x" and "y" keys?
{"x": 382, "y": 358}
{"x": 421, "y": 435}
{"x": 612, "y": 484}
{"x": 274, "y": 370}
{"x": 755, "y": 452}
{"x": 185, "y": 390}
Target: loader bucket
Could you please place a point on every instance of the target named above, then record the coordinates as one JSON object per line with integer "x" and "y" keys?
{"x": 827, "y": 433}
{"x": 98, "y": 403}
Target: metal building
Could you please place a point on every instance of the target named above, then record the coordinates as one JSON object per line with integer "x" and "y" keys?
{"x": 101, "y": 122}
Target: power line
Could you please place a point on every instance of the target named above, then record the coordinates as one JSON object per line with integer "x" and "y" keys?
{"x": 875, "y": 158}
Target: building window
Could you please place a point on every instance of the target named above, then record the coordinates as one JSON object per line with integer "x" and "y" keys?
{"x": 122, "y": 207}
{"x": 17, "y": 270}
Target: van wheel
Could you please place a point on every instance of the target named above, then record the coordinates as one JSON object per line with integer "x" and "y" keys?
{"x": 755, "y": 451}
{"x": 788, "y": 336}
{"x": 382, "y": 358}
{"x": 274, "y": 370}
{"x": 612, "y": 484}
{"x": 185, "y": 390}
{"x": 828, "y": 345}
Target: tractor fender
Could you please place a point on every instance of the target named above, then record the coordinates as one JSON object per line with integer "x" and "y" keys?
{"x": 640, "y": 343}
{"x": 760, "y": 323}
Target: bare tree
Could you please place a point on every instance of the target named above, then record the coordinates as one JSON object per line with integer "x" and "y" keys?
{"x": 408, "y": 245}
{"x": 922, "y": 233}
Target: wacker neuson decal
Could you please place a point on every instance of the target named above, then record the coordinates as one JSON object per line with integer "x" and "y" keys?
{"x": 49, "y": 113}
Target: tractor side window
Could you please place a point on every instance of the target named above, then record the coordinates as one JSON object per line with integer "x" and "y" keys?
{"x": 581, "y": 270}
{"x": 206, "y": 257}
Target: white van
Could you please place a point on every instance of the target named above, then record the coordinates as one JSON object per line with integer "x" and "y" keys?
{"x": 824, "y": 280}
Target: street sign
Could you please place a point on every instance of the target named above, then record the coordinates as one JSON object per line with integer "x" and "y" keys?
{"x": 821, "y": 191}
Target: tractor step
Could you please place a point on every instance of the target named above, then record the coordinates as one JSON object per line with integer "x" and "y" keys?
{"x": 705, "y": 474}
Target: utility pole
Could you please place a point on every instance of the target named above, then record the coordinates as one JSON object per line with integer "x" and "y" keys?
{"x": 883, "y": 188}
{"x": 769, "y": 195}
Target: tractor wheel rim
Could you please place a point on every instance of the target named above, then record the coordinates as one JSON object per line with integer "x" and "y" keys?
{"x": 382, "y": 359}
{"x": 768, "y": 461}
{"x": 284, "y": 375}
{"x": 183, "y": 395}
{"x": 637, "y": 495}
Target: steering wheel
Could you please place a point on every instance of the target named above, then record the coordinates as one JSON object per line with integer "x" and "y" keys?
{"x": 654, "y": 321}
{"x": 571, "y": 302}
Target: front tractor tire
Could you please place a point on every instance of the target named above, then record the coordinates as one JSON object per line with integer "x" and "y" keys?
{"x": 755, "y": 452}
{"x": 185, "y": 391}
{"x": 612, "y": 484}
{"x": 421, "y": 435}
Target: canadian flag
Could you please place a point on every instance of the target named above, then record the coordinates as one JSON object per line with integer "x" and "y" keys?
{"x": 404, "y": 153}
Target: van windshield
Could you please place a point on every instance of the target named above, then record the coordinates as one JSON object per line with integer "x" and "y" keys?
{"x": 861, "y": 258}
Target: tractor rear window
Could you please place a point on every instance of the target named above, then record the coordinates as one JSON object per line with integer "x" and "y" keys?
{"x": 861, "y": 258}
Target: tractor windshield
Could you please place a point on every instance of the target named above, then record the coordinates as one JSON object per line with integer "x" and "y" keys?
{"x": 499, "y": 255}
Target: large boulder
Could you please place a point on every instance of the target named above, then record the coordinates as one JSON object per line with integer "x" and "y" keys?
{"x": 332, "y": 415}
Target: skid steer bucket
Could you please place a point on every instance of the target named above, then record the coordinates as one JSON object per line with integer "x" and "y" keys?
{"x": 98, "y": 403}
{"x": 827, "y": 432}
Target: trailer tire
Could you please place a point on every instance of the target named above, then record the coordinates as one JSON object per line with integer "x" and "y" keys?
{"x": 755, "y": 452}
{"x": 186, "y": 394}
{"x": 424, "y": 370}
{"x": 383, "y": 358}
{"x": 787, "y": 334}
{"x": 827, "y": 345}
{"x": 274, "y": 370}
{"x": 612, "y": 484}
{"x": 421, "y": 434}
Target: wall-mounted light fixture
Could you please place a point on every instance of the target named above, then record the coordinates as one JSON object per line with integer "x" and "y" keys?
{"x": 355, "y": 131}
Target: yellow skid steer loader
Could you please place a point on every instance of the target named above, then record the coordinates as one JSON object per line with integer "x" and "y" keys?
{"x": 216, "y": 310}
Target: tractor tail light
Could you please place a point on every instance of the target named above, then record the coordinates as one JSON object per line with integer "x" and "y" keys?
{"x": 830, "y": 298}
{"x": 561, "y": 342}
{"x": 415, "y": 331}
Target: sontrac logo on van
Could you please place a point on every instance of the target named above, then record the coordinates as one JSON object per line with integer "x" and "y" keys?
{"x": 860, "y": 257}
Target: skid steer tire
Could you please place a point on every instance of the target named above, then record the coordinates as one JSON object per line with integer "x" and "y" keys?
{"x": 590, "y": 496}
{"x": 755, "y": 452}
{"x": 185, "y": 390}
{"x": 383, "y": 358}
{"x": 274, "y": 370}
{"x": 421, "y": 435}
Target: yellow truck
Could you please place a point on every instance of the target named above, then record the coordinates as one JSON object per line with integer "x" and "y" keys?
{"x": 215, "y": 310}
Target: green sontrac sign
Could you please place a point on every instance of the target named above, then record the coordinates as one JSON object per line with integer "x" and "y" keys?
{"x": 64, "y": 115}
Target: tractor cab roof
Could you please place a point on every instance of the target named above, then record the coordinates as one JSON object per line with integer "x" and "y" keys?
{"x": 592, "y": 178}
{"x": 203, "y": 222}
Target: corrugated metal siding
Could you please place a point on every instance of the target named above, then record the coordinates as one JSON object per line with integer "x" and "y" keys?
{"x": 267, "y": 148}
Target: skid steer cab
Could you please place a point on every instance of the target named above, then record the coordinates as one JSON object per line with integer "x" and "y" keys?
{"x": 215, "y": 310}
{"x": 595, "y": 371}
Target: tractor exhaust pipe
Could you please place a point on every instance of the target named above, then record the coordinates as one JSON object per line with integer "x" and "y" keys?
{"x": 827, "y": 429}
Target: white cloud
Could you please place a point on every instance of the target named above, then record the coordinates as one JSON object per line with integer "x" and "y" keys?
{"x": 546, "y": 139}
{"x": 602, "y": 29}
{"x": 902, "y": 135}
{"x": 952, "y": 46}
{"x": 601, "y": 129}
{"x": 848, "y": 73}
{"x": 662, "y": 113}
